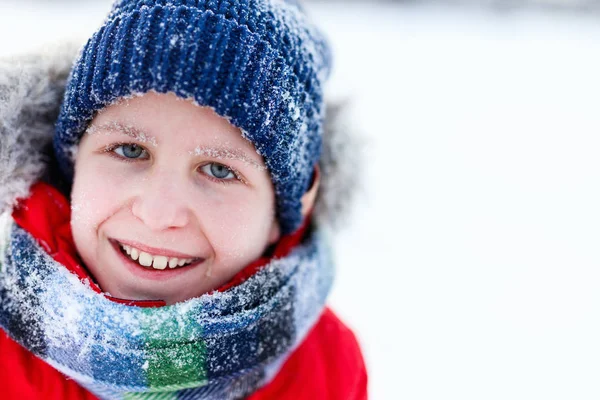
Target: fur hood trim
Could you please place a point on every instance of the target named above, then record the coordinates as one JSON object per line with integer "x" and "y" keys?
{"x": 31, "y": 92}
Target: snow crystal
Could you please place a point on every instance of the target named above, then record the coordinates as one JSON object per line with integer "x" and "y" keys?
{"x": 295, "y": 109}
{"x": 71, "y": 152}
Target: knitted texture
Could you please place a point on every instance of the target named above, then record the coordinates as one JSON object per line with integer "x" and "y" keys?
{"x": 222, "y": 345}
{"x": 259, "y": 63}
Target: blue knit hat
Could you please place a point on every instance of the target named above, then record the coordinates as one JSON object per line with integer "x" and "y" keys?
{"x": 259, "y": 63}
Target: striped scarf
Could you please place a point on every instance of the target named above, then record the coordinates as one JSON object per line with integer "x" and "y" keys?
{"x": 222, "y": 345}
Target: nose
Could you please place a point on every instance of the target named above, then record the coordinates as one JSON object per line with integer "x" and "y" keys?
{"x": 160, "y": 202}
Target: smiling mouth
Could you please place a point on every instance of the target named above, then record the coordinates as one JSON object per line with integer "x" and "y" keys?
{"x": 155, "y": 262}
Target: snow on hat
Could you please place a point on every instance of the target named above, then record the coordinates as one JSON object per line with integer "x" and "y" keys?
{"x": 259, "y": 63}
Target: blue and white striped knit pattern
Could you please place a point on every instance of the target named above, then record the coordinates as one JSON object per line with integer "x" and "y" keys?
{"x": 260, "y": 63}
{"x": 217, "y": 346}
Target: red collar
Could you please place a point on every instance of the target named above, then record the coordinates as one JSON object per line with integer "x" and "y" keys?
{"x": 46, "y": 215}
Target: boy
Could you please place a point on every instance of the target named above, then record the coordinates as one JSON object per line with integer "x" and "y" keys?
{"x": 179, "y": 257}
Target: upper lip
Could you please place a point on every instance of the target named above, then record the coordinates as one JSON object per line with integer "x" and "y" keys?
{"x": 154, "y": 250}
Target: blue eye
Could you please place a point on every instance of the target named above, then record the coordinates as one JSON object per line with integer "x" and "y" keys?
{"x": 218, "y": 171}
{"x": 129, "y": 150}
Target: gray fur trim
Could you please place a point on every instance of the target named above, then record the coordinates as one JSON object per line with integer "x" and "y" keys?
{"x": 31, "y": 90}
{"x": 342, "y": 166}
{"x": 5, "y": 227}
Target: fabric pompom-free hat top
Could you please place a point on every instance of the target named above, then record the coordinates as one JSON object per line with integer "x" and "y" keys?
{"x": 259, "y": 63}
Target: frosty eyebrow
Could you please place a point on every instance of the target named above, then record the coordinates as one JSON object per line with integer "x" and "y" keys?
{"x": 227, "y": 154}
{"x": 129, "y": 130}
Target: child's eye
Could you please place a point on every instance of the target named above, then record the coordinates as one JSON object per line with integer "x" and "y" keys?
{"x": 129, "y": 150}
{"x": 218, "y": 171}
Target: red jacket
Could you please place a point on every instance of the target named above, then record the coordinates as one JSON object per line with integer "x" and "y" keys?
{"x": 328, "y": 364}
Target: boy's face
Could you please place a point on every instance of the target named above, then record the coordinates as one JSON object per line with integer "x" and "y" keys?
{"x": 176, "y": 184}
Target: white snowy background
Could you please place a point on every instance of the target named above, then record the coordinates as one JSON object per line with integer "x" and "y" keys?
{"x": 471, "y": 268}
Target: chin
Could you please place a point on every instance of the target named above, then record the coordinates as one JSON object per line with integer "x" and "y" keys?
{"x": 136, "y": 290}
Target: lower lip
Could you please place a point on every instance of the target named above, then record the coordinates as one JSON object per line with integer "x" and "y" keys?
{"x": 147, "y": 273}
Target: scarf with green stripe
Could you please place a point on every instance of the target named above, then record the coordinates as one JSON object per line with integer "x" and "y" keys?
{"x": 222, "y": 345}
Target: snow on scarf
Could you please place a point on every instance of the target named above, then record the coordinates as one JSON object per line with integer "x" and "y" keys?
{"x": 222, "y": 345}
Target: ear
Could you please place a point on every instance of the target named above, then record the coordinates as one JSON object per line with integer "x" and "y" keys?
{"x": 275, "y": 233}
{"x": 308, "y": 199}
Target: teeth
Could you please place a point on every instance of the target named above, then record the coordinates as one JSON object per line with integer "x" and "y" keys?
{"x": 145, "y": 259}
{"x": 160, "y": 262}
{"x": 156, "y": 262}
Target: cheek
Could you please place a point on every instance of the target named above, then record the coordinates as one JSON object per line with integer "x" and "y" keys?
{"x": 97, "y": 193}
{"x": 239, "y": 227}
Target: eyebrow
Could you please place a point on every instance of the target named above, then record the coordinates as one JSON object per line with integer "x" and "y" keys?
{"x": 129, "y": 130}
{"x": 227, "y": 154}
